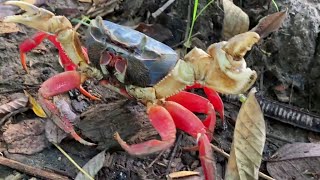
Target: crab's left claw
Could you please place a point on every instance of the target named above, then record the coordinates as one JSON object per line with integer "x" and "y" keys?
{"x": 46, "y": 21}
{"x": 38, "y": 18}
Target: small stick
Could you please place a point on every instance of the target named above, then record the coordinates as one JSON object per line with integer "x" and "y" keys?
{"x": 161, "y": 9}
{"x": 31, "y": 170}
{"x": 156, "y": 159}
{"x": 21, "y": 110}
{"x": 173, "y": 153}
{"x": 226, "y": 155}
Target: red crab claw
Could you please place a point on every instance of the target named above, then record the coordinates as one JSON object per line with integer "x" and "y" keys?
{"x": 55, "y": 85}
{"x": 46, "y": 21}
{"x": 66, "y": 63}
{"x": 164, "y": 118}
{"x": 54, "y": 27}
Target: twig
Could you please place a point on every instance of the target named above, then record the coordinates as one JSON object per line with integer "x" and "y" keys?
{"x": 162, "y": 8}
{"x": 21, "y": 110}
{"x": 173, "y": 153}
{"x": 278, "y": 138}
{"x": 291, "y": 92}
{"x": 156, "y": 159}
{"x": 182, "y": 42}
{"x": 31, "y": 170}
{"x": 226, "y": 155}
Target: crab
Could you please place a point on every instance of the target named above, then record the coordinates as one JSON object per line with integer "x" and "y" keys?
{"x": 141, "y": 68}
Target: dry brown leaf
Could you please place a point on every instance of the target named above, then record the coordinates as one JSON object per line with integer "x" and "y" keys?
{"x": 235, "y": 20}
{"x": 248, "y": 141}
{"x": 14, "y": 105}
{"x": 53, "y": 133}
{"x": 181, "y": 174}
{"x": 8, "y": 27}
{"x": 93, "y": 166}
{"x": 37, "y": 109}
{"x": 26, "y": 137}
{"x": 296, "y": 161}
{"x": 270, "y": 23}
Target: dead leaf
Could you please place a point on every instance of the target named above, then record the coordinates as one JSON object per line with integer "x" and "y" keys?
{"x": 235, "y": 20}
{"x": 25, "y": 137}
{"x": 14, "y": 105}
{"x": 36, "y": 107}
{"x": 248, "y": 141}
{"x": 8, "y": 27}
{"x": 296, "y": 161}
{"x": 156, "y": 31}
{"x": 53, "y": 133}
{"x": 270, "y": 23}
{"x": 181, "y": 174}
{"x": 93, "y": 166}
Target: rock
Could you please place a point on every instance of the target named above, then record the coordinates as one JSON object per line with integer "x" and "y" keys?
{"x": 294, "y": 58}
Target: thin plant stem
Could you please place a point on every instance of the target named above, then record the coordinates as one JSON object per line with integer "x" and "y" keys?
{"x": 195, "y": 17}
{"x": 72, "y": 161}
{"x": 204, "y": 8}
{"x": 195, "y": 8}
{"x": 275, "y": 5}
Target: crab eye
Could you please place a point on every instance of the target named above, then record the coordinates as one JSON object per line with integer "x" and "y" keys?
{"x": 98, "y": 35}
{"x": 106, "y": 58}
{"x": 120, "y": 65}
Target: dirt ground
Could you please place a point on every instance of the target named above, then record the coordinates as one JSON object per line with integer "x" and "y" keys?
{"x": 100, "y": 119}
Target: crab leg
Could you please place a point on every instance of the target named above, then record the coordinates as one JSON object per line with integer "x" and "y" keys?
{"x": 213, "y": 97}
{"x": 196, "y": 103}
{"x": 163, "y": 123}
{"x": 30, "y": 44}
{"x": 55, "y": 85}
{"x": 191, "y": 124}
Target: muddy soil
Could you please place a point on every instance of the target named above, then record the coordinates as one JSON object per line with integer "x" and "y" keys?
{"x": 100, "y": 119}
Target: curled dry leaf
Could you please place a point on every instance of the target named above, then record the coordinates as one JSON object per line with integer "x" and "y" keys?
{"x": 235, "y": 20}
{"x": 270, "y": 23}
{"x": 65, "y": 109}
{"x": 37, "y": 109}
{"x": 8, "y": 27}
{"x": 248, "y": 141}
{"x": 25, "y": 137}
{"x": 93, "y": 166}
{"x": 14, "y": 105}
{"x": 296, "y": 161}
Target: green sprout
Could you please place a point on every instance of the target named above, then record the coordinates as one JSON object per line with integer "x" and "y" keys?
{"x": 275, "y": 5}
{"x": 195, "y": 17}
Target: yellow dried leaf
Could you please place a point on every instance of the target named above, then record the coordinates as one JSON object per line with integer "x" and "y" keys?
{"x": 235, "y": 20}
{"x": 248, "y": 141}
{"x": 181, "y": 174}
{"x": 37, "y": 109}
{"x": 8, "y": 27}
